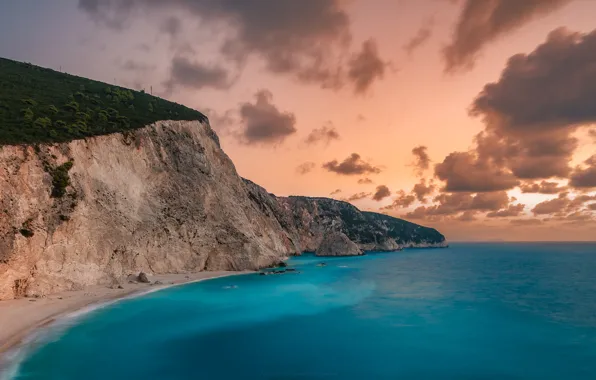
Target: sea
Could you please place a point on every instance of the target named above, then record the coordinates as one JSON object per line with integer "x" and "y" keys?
{"x": 471, "y": 311}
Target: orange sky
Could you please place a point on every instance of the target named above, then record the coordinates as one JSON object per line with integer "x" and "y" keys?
{"x": 414, "y": 103}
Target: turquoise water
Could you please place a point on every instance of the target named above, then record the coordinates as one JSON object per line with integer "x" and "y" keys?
{"x": 473, "y": 311}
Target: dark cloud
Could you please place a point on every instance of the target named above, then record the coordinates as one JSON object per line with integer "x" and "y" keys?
{"x": 305, "y": 168}
{"x": 143, "y": 47}
{"x": 482, "y": 22}
{"x": 365, "y": 181}
{"x": 592, "y": 134}
{"x": 543, "y": 187}
{"x": 421, "y": 159}
{"x": 184, "y": 72}
{"x": 307, "y": 39}
{"x": 172, "y": 26}
{"x": 553, "y": 206}
{"x": 467, "y": 216}
{"x": 136, "y": 66}
{"x": 526, "y": 222}
{"x": 464, "y": 172}
{"x": 324, "y": 134}
{"x": 381, "y": 193}
{"x": 531, "y": 114}
{"x": 452, "y": 205}
{"x": 539, "y": 101}
{"x": 263, "y": 123}
{"x": 336, "y": 191}
{"x": 512, "y": 210}
{"x": 420, "y": 38}
{"x": 584, "y": 177}
{"x": 592, "y": 206}
{"x": 357, "y": 197}
{"x": 353, "y": 165}
{"x": 365, "y": 67}
{"x": 421, "y": 190}
{"x": 402, "y": 200}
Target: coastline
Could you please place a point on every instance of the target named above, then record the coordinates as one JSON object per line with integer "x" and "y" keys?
{"x": 22, "y": 317}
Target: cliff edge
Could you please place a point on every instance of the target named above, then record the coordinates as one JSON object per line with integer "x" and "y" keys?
{"x": 160, "y": 199}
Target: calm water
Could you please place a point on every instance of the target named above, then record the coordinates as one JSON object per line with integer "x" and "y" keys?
{"x": 473, "y": 311}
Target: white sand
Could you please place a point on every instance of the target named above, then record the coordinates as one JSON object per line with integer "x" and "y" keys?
{"x": 20, "y": 317}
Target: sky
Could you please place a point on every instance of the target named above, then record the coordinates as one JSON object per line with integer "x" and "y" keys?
{"x": 476, "y": 117}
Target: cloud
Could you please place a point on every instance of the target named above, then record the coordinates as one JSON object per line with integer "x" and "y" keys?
{"x": 132, "y": 65}
{"x": 353, "y": 165}
{"x": 172, "y": 26}
{"x": 365, "y": 67}
{"x": 535, "y": 127}
{"x": 421, "y": 159}
{"x": 464, "y": 172}
{"x": 421, "y": 190}
{"x": 452, "y": 205}
{"x": 485, "y": 21}
{"x": 512, "y": 210}
{"x": 552, "y": 206}
{"x": 402, "y": 200}
{"x": 531, "y": 114}
{"x": 526, "y": 222}
{"x": 543, "y": 187}
{"x": 381, "y": 193}
{"x": 195, "y": 75}
{"x": 336, "y": 191}
{"x": 324, "y": 134}
{"x": 584, "y": 177}
{"x": 307, "y": 40}
{"x": 592, "y": 134}
{"x": 356, "y": 197}
{"x": 305, "y": 168}
{"x": 263, "y": 123}
{"x": 365, "y": 181}
{"x": 420, "y": 38}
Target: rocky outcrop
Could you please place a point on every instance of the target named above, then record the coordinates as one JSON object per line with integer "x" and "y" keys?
{"x": 337, "y": 244}
{"x": 306, "y": 220}
{"x": 160, "y": 199}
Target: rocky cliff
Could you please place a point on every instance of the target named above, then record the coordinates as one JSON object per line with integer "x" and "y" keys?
{"x": 160, "y": 199}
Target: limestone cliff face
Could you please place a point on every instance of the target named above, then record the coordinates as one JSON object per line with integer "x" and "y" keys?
{"x": 161, "y": 199}
{"x": 306, "y": 220}
{"x": 337, "y": 244}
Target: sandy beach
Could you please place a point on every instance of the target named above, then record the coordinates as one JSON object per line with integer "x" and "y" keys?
{"x": 20, "y": 317}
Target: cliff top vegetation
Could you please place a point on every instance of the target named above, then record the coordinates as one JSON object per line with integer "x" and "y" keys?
{"x": 40, "y": 105}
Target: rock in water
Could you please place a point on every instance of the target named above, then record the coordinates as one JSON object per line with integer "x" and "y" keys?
{"x": 142, "y": 277}
{"x": 337, "y": 244}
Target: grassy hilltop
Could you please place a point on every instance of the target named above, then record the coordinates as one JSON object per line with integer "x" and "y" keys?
{"x": 42, "y": 105}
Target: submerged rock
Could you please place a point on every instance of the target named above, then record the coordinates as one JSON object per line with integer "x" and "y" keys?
{"x": 337, "y": 244}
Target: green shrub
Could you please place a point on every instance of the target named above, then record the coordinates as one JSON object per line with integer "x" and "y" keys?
{"x": 27, "y": 114}
{"x": 60, "y": 179}
{"x": 29, "y": 102}
{"x": 29, "y": 92}
{"x": 52, "y": 109}
{"x": 43, "y": 122}
{"x": 72, "y": 106}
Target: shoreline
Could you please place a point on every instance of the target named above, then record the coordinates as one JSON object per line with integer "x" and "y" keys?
{"x": 21, "y": 318}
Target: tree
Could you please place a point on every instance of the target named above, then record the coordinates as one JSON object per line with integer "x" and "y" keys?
{"x": 43, "y": 122}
